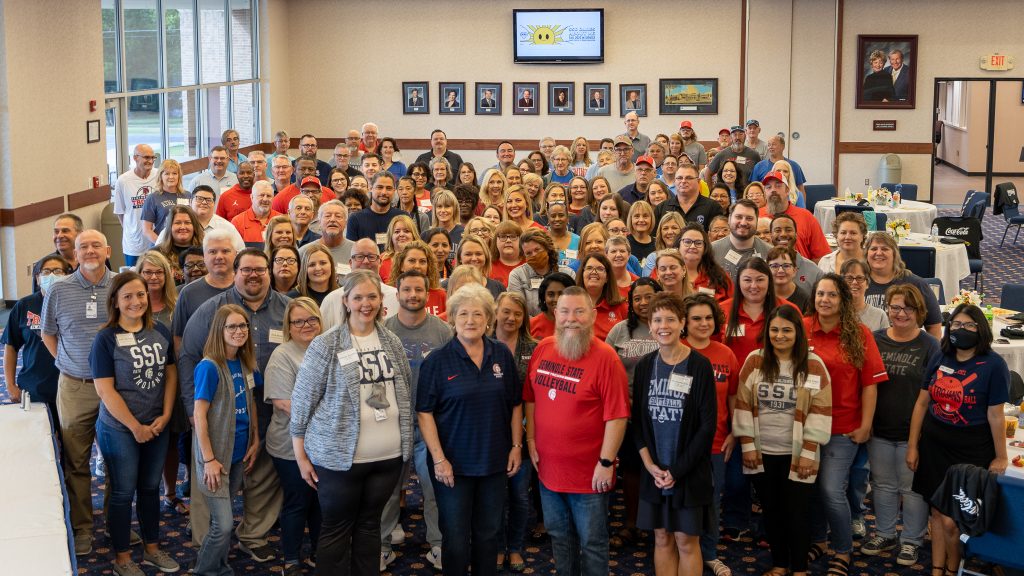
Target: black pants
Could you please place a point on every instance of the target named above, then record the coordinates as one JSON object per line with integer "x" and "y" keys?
{"x": 351, "y": 503}
{"x": 469, "y": 515}
{"x": 786, "y": 513}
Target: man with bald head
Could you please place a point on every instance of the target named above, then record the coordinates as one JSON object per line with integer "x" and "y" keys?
{"x": 639, "y": 141}
{"x": 333, "y": 218}
{"x": 74, "y": 311}
{"x": 365, "y": 256}
{"x": 129, "y": 195}
{"x": 352, "y": 141}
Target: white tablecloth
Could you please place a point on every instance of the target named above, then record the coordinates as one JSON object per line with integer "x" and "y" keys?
{"x": 951, "y": 263}
{"x": 1013, "y": 352}
{"x": 919, "y": 214}
{"x": 33, "y": 532}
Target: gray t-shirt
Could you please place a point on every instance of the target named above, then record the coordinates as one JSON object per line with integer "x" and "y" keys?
{"x": 617, "y": 180}
{"x": 695, "y": 150}
{"x": 192, "y": 296}
{"x": 341, "y": 253}
{"x": 729, "y": 257}
{"x": 776, "y": 407}
{"x": 137, "y": 362}
{"x": 874, "y": 318}
{"x": 807, "y": 273}
{"x": 906, "y": 364}
{"x": 419, "y": 341}
{"x": 631, "y": 348}
{"x": 277, "y": 385}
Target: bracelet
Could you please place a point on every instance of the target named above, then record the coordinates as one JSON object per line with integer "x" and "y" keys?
{"x": 441, "y": 461}
{"x": 210, "y": 460}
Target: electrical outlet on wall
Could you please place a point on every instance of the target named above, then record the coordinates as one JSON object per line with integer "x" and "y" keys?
{"x": 867, "y": 181}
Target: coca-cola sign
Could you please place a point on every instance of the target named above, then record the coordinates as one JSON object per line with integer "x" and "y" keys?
{"x": 962, "y": 231}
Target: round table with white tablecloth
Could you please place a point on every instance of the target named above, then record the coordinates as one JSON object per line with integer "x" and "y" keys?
{"x": 1013, "y": 352}
{"x": 951, "y": 264}
{"x": 918, "y": 214}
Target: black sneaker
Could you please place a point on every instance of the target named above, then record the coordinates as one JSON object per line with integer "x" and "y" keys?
{"x": 907, "y": 555}
{"x": 258, "y": 553}
{"x": 878, "y": 544}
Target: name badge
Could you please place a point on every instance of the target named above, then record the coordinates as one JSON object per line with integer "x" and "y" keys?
{"x": 382, "y": 238}
{"x": 733, "y": 257}
{"x": 680, "y": 383}
{"x": 347, "y": 357}
{"x": 342, "y": 269}
{"x": 425, "y": 203}
{"x": 572, "y": 254}
{"x": 813, "y": 382}
{"x": 946, "y": 369}
{"x": 706, "y": 290}
{"x": 91, "y": 310}
{"x": 380, "y": 414}
{"x": 534, "y": 284}
{"x": 182, "y": 201}
{"x": 741, "y": 160}
{"x": 276, "y": 336}
{"x": 250, "y": 381}
{"x": 741, "y": 330}
{"x": 126, "y": 339}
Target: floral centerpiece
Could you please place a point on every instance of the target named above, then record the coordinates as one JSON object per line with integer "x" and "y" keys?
{"x": 882, "y": 196}
{"x": 898, "y": 227}
{"x": 966, "y": 297}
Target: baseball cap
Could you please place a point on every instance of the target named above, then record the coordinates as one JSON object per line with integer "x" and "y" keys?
{"x": 753, "y": 122}
{"x": 310, "y": 180}
{"x": 686, "y": 124}
{"x": 736, "y": 128}
{"x": 645, "y": 159}
{"x": 774, "y": 175}
{"x": 723, "y": 131}
{"x": 620, "y": 139}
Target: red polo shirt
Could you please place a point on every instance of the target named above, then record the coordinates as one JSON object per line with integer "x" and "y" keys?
{"x": 749, "y": 337}
{"x": 541, "y": 327}
{"x": 233, "y": 202}
{"x": 727, "y": 370}
{"x": 250, "y": 227}
{"x": 608, "y": 316}
{"x": 847, "y": 381}
{"x": 285, "y": 196}
{"x": 720, "y": 294}
{"x": 810, "y": 240}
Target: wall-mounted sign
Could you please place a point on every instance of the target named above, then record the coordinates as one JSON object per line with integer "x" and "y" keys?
{"x": 883, "y": 125}
{"x": 996, "y": 62}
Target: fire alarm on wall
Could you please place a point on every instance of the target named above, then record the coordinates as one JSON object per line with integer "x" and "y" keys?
{"x": 92, "y": 105}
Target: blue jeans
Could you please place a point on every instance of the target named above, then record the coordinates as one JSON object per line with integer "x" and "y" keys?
{"x": 830, "y": 510}
{"x": 132, "y": 468}
{"x": 737, "y": 501}
{"x": 299, "y": 509}
{"x": 469, "y": 525}
{"x": 212, "y": 559}
{"x": 517, "y": 509}
{"x": 130, "y": 260}
{"x": 709, "y": 539}
{"x": 577, "y": 524}
{"x": 890, "y": 479}
{"x": 858, "y": 489}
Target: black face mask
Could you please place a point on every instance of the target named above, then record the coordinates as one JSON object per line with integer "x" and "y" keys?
{"x": 963, "y": 339}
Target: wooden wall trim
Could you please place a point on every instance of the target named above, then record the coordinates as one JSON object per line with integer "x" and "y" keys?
{"x": 744, "y": 8}
{"x": 31, "y": 212}
{"x": 884, "y": 148}
{"x": 839, "y": 93}
{"x": 88, "y": 197}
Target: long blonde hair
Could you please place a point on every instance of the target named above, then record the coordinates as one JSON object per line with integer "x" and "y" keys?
{"x": 216, "y": 350}
{"x": 170, "y": 165}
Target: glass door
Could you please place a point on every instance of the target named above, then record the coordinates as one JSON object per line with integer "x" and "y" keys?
{"x": 118, "y": 156}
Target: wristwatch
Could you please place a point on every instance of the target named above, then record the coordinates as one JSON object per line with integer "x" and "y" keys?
{"x": 605, "y": 462}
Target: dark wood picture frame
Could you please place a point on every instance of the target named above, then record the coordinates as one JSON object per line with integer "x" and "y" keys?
{"x": 628, "y": 104}
{"x": 418, "y": 104}
{"x": 484, "y": 107}
{"x": 444, "y": 91}
{"x": 558, "y": 107}
{"x": 593, "y": 107}
{"x": 876, "y": 88}
{"x": 518, "y": 91}
{"x": 688, "y": 96}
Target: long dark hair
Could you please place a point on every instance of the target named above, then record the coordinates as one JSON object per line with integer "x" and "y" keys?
{"x": 770, "y": 362}
{"x": 610, "y": 291}
{"x": 758, "y": 264}
{"x": 984, "y": 330}
{"x": 632, "y": 319}
{"x": 851, "y": 337}
{"x": 741, "y": 183}
{"x": 718, "y": 278}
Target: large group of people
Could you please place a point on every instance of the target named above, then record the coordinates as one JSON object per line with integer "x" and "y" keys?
{"x": 529, "y": 336}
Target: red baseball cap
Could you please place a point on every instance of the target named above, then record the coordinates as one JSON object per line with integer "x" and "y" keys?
{"x": 310, "y": 180}
{"x": 775, "y": 175}
{"x": 686, "y": 124}
{"x": 645, "y": 159}
{"x": 724, "y": 131}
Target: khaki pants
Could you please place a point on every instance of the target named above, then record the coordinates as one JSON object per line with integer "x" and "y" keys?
{"x": 262, "y": 499}
{"x": 78, "y": 405}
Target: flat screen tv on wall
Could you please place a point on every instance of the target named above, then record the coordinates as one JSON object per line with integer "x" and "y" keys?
{"x": 570, "y": 36}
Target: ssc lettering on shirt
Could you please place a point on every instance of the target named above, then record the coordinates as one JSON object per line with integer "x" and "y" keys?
{"x": 140, "y": 198}
{"x": 777, "y": 396}
{"x": 951, "y": 396}
{"x": 376, "y": 366}
{"x": 558, "y": 377}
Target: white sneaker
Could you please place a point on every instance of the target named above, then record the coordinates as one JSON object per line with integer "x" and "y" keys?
{"x": 385, "y": 559}
{"x": 101, "y": 467}
{"x": 398, "y": 535}
{"x": 434, "y": 557}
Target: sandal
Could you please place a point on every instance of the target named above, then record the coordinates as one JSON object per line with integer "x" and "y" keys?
{"x": 941, "y": 570}
{"x": 500, "y": 563}
{"x": 838, "y": 567}
{"x": 816, "y": 552}
{"x": 718, "y": 568}
{"x": 516, "y": 567}
{"x": 176, "y": 504}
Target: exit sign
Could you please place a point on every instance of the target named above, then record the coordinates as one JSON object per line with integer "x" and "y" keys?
{"x": 997, "y": 62}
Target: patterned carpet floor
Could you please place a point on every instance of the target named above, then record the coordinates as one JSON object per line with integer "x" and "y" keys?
{"x": 743, "y": 557}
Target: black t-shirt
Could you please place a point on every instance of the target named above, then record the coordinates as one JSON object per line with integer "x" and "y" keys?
{"x": 905, "y": 364}
{"x": 38, "y": 374}
{"x": 640, "y": 249}
{"x": 368, "y": 224}
{"x": 702, "y": 212}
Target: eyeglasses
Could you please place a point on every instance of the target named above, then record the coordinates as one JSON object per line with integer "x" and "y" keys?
{"x": 202, "y": 200}
{"x": 365, "y": 257}
{"x": 851, "y": 279}
{"x": 147, "y": 158}
{"x": 282, "y": 261}
{"x": 253, "y": 271}
{"x": 595, "y": 269}
{"x": 152, "y": 273}
{"x": 689, "y": 242}
{"x": 508, "y": 237}
{"x": 312, "y": 322}
{"x": 195, "y": 266}
{"x": 908, "y": 310}
{"x": 233, "y": 328}
{"x": 687, "y": 178}
{"x": 617, "y": 230}
{"x": 780, "y": 266}
{"x": 956, "y": 325}
{"x": 53, "y": 271}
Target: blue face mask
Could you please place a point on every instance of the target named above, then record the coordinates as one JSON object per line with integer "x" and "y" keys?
{"x": 45, "y": 282}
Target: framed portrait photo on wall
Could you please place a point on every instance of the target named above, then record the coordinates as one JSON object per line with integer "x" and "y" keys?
{"x": 526, "y": 98}
{"x": 633, "y": 98}
{"x": 488, "y": 98}
{"x": 415, "y": 98}
{"x": 596, "y": 94}
{"x": 453, "y": 97}
{"x": 887, "y": 71}
{"x": 562, "y": 98}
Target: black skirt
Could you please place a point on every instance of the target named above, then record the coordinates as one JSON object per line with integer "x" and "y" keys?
{"x": 942, "y": 446}
{"x": 690, "y": 520}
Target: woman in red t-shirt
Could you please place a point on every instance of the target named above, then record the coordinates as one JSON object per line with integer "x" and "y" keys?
{"x": 401, "y": 231}
{"x": 417, "y": 256}
{"x": 543, "y": 325}
{"x": 595, "y": 276}
{"x": 617, "y": 251}
{"x": 505, "y": 252}
{"x": 847, "y": 348}
{"x": 703, "y": 272}
{"x": 703, "y": 320}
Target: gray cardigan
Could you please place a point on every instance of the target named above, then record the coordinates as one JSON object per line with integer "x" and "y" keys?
{"x": 325, "y": 400}
{"x": 220, "y": 425}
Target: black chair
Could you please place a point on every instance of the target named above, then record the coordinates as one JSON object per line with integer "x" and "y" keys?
{"x": 937, "y": 289}
{"x": 1016, "y": 388}
{"x": 978, "y": 202}
{"x": 818, "y": 192}
{"x": 968, "y": 229}
{"x": 875, "y": 220}
{"x": 1012, "y": 297}
{"x": 1011, "y": 210}
{"x": 919, "y": 259}
{"x": 907, "y": 191}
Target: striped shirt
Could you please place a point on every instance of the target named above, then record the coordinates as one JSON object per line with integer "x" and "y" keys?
{"x": 66, "y": 314}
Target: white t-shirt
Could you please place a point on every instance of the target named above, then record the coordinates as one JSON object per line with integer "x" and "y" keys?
{"x": 129, "y": 194}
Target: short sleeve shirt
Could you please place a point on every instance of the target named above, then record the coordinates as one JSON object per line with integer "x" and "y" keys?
{"x": 207, "y": 379}
{"x": 156, "y": 207}
{"x": 726, "y": 372}
{"x": 960, "y": 393}
{"x": 38, "y": 374}
{"x": 129, "y": 194}
{"x": 280, "y": 380}
{"x": 137, "y": 361}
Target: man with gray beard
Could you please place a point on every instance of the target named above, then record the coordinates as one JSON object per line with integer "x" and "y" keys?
{"x": 810, "y": 240}
{"x": 576, "y": 408}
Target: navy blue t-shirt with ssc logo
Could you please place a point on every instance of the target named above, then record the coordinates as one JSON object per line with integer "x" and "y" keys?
{"x": 137, "y": 361}
{"x": 961, "y": 392}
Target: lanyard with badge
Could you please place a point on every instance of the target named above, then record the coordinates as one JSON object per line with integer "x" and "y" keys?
{"x": 91, "y": 307}
{"x": 679, "y": 383}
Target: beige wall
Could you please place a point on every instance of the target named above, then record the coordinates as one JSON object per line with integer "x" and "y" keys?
{"x": 45, "y": 88}
{"x": 966, "y": 148}
{"x": 1008, "y": 138}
